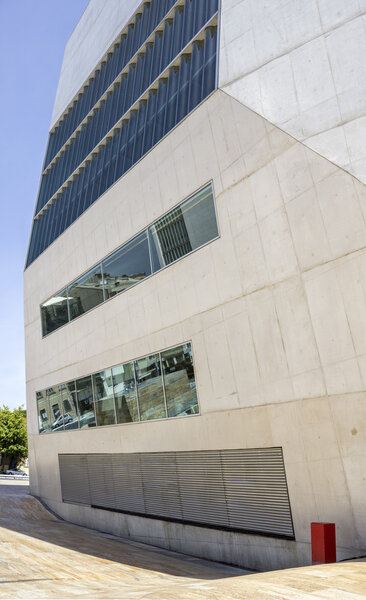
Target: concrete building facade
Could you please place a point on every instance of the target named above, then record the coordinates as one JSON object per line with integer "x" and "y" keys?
{"x": 272, "y": 306}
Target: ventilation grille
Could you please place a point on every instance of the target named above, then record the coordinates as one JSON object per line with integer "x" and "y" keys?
{"x": 241, "y": 490}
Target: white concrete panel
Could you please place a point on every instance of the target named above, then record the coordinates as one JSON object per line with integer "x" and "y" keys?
{"x": 278, "y": 246}
{"x": 307, "y": 229}
{"x": 274, "y": 308}
{"x": 301, "y": 65}
{"x": 296, "y": 327}
{"x": 342, "y": 215}
{"x": 331, "y": 327}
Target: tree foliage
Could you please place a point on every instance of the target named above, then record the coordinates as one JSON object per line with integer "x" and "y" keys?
{"x": 13, "y": 433}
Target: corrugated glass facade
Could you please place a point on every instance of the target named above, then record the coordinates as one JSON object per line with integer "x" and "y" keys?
{"x": 160, "y": 68}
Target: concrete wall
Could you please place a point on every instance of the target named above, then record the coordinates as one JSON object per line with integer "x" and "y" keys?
{"x": 275, "y": 309}
{"x": 301, "y": 64}
{"x": 101, "y": 22}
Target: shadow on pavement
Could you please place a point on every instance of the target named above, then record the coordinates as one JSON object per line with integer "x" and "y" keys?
{"x": 24, "y": 514}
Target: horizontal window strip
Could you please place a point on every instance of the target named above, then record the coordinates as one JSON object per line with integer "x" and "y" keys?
{"x": 182, "y": 230}
{"x": 158, "y": 386}
{"x": 147, "y": 18}
{"x": 170, "y": 99}
{"x": 175, "y": 37}
{"x": 208, "y": 488}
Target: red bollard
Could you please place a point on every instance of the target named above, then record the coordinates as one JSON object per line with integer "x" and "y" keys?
{"x": 323, "y": 543}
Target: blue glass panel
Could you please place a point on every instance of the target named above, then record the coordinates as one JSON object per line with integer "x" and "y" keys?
{"x": 176, "y": 97}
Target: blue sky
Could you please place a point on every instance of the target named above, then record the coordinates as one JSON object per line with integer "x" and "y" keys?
{"x": 33, "y": 34}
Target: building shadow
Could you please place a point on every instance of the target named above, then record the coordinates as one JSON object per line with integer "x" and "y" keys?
{"x": 22, "y": 513}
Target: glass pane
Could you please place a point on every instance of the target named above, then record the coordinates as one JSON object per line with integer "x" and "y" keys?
{"x": 103, "y": 398}
{"x": 54, "y": 313}
{"x": 56, "y": 414}
{"x": 71, "y": 420}
{"x": 86, "y": 292}
{"x": 43, "y": 408}
{"x": 85, "y": 402}
{"x": 179, "y": 381}
{"x": 125, "y": 393}
{"x": 150, "y": 388}
{"x": 183, "y": 229}
{"x": 127, "y": 266}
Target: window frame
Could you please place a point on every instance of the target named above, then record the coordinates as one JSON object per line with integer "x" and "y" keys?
{"x": 110, "y": 254}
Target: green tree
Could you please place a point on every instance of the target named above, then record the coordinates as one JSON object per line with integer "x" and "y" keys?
{"x": 13, "y": 434}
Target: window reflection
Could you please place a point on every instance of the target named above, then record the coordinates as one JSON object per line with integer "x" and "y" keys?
{"x": 179, "y": 381}
{"x": 125, "y": 393}
{"x": 85, "y": 402}
{"x": 44, "y": 421}
{"x": 56, "y": 413}
{"x": 71, "y": 420}
{"x": 154, "y": 387}
{"x": 104, "y": 398}
{"x": 183, "y": 229}
{"x": 150, "y": 388}
{"x": 86, "y": 292}
{"x": 54, "y": 313}
{"x": 127, "y": 266}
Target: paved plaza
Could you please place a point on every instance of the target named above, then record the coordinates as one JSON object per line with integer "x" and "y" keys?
{"x": 42, "y": 556}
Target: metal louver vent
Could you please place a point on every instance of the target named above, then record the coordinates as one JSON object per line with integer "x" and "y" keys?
{"x": 239, "y": 490}
{"x": 74, "y": 478}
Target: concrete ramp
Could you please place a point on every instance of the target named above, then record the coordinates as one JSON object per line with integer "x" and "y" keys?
{"x": 19, "y": 506}
{"x": 42, "y": 556}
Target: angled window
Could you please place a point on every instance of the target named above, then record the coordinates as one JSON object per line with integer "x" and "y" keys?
{"x": 54, "y": 312}
{"x": 86, "y": 292}
{"x": 127, "y": 266}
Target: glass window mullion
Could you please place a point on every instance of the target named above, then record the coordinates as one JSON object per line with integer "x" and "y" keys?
{"x": 114, "y": 398}
{"x": 102, "y": 275}
{"x": 94, "y": 405}
{"x": 136, "y": 390}
{"x": 162, "y": 378}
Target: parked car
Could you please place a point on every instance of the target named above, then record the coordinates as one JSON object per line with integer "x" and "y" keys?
{"x": 16, "y": 472}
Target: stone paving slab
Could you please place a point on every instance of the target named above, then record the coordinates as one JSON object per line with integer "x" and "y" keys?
{"x": 42, "y": 556}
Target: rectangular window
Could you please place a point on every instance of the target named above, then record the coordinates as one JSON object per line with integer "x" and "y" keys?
{"x": 153, "y": 387}
{"x": 179, "y": 381}
{"x": 127, "y": 266}
{"x": 104, "y": 398}
{"x": 84, "y": 392}
{"x": 150, "y": 388}
{"x": 125, "y": 393}
{"x": 54, "y": 312}
{"x": 69, "y": 402}
{"x": 86, "y": 292}
{"x": 185, "y": 228}
{"x": 43, "y": 409}
{"x": 56, "y": 412}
